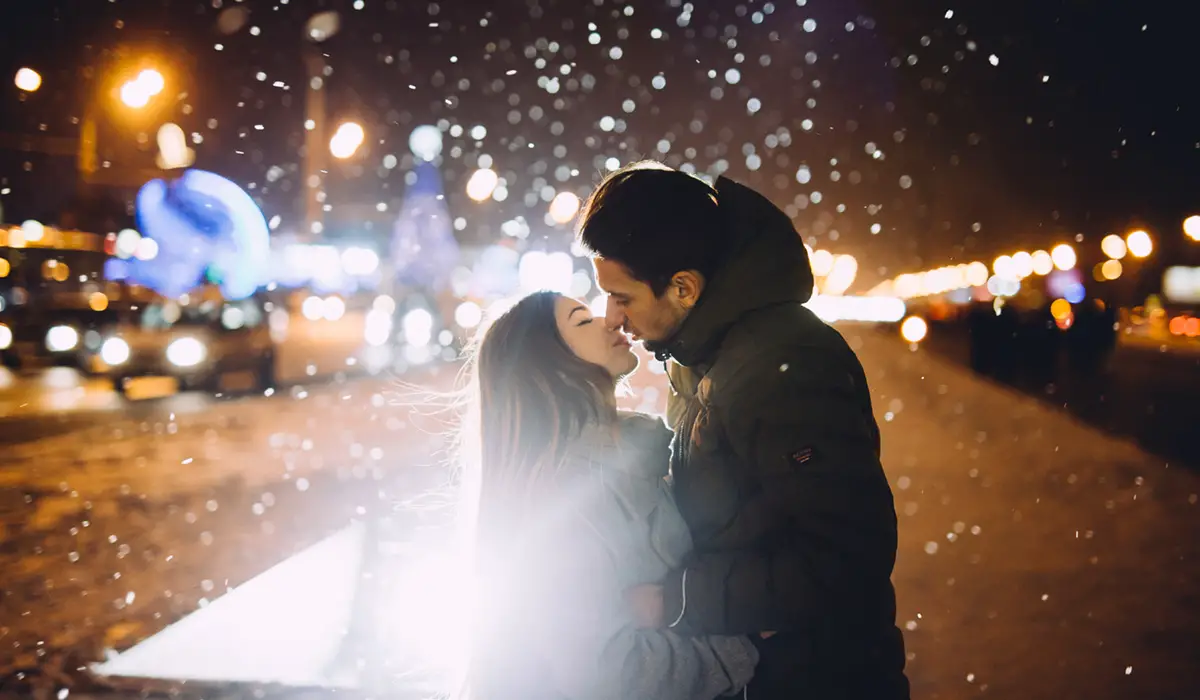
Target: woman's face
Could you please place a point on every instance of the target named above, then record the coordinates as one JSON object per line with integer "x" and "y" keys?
{"x": 591, "y": 340}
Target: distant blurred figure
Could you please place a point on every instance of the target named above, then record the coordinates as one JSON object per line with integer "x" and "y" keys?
{"x": 1092, "y": 338}
{"x": 1039, "y": 343}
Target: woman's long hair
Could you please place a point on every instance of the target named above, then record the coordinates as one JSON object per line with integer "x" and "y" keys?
{"x": 531, "y": 396}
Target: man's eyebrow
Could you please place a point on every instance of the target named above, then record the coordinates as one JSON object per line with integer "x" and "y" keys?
{"x": 577, "y": 308}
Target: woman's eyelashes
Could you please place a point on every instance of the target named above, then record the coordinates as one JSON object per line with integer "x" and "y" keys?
{"x": 584, "y": 322}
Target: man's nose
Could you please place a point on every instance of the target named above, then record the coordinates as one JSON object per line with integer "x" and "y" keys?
{"x": 614, "y": 318}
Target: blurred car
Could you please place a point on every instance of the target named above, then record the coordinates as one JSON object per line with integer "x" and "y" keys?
{"x": 206, "y": 343}
{"x": 47, "y": 335}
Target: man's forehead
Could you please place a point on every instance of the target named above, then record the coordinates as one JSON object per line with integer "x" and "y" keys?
{"x": 611, "y": 276}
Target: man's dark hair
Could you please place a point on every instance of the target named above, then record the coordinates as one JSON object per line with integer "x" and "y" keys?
{"x": 656, "y": 221}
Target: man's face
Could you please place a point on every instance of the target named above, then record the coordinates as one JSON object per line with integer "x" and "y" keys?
{"x": 633, "y": 307}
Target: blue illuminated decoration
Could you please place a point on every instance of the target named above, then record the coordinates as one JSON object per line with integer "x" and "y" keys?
{"x": 208, "y": 229}
{"x": 424, "y": 249}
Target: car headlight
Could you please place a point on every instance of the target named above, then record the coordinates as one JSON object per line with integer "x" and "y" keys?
{"x": 6, "y": 337}
{"x": 186, "y": 352}
{"x": 62, "y": 339}
{"x": 114, "y": 351}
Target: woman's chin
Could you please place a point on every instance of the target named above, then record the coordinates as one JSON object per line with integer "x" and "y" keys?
{"x": 625, "y": 365}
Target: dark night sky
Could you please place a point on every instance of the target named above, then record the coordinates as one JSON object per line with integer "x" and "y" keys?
{"x": 1090, "y": 119}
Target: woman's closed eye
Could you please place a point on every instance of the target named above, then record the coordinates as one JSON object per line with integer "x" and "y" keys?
{"x": 584, "y": 322}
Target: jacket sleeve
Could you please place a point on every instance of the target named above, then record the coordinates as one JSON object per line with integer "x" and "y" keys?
{"x": 815, "y": 532}
{"x": 594, "y": 652}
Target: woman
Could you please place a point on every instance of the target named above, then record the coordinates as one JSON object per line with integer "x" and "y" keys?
{"x": 571, "y": 508}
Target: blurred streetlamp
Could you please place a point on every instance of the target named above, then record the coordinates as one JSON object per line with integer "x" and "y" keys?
{"x": 319, "y": 28}
{"x": 1139, "y": 244}
{"x": 1191, "y": 227}
{"x": 135, "y": 94}
{"x": 138, "y": 92}
{"x": 28, "y": 80}
{"x": 346, "y": 140}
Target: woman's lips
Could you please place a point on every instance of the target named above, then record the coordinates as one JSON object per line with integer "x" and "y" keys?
{"x": 621, "y": 341}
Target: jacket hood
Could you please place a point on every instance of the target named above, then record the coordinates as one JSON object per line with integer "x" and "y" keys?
{"x": 767, "y": 264}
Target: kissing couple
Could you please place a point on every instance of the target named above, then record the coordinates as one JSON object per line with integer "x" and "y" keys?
{"x": 745, "y": 550}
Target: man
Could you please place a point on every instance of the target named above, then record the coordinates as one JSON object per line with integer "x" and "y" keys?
{"x": 775, "y": 460}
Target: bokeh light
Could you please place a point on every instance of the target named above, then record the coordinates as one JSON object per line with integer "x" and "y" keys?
{"x": 1139, "y": 244}
{"x": 564, "y": 207}
{"x": 468, "y": 315}
{"x": 426, "y": 142}
{"x": 1111, "y": 269}
{"x": 1022, "y": 263}
{"x": 822, "y": 262}
{"x": 977, "y": 274}
{"x": 1003, "y": 267}
{"x": 1191, "y": 227}
{"x": 346, "y": 140}
{"x": 482, "y": 184}
{"x": 1042, "y": 262}
{"x": 1063, "y": 256}
{"x": 138, "y": 92}
{"x": 914, "y": 329}
{"x": 1113, "y": 246}
{"x": 33, "y": 231}
{"x": 28, "y": 80}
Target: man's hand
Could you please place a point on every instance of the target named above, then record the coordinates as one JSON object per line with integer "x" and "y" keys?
{"x": 646, "y": 605}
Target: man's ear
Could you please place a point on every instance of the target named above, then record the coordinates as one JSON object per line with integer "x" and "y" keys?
{"x": 687, "y": 286}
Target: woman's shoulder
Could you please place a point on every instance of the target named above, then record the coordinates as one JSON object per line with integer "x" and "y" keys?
{"x": 636, "y": 443}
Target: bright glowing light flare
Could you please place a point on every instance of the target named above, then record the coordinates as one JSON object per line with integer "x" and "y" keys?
{"x": 914, "y": 329}
{"x": 151, "y": 81}
{"x": 1191, "y": 227}
{"x": 28, "y": 79}
{"x": 1111, "y": 270}
{"x": 134, "y": 96}
{"x": 346, "y": 140}
{"x": 1139, "y": 243}
{"x": 1063, "y": 256}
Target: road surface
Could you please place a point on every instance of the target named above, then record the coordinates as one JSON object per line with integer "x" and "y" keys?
{"x": 1038, "y": 558}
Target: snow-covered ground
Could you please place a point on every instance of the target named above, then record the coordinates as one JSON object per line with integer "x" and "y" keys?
{"x": 116, "y": 529}
{"x": 1038, "y": 558}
